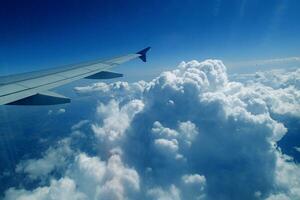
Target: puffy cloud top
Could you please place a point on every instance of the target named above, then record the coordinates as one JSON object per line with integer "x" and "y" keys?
{"x": 190, "y": 133}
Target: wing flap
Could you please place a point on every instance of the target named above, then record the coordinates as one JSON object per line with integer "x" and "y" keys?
{"x": 104, "y": 75}
{"x": 43, "y": 98}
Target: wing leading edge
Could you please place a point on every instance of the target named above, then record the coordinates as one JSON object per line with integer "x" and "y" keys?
{"x": 32, "y": 88}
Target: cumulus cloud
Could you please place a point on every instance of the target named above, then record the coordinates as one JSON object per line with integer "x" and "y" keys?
{"x": 55, "y": 158}
{"x": 277, "y": 78}
{"x": 100, "y": 179}
{"x": 119, "y": 90}
{"x": 193, "y": 186}
{"x": 87, "y": 178}
{"x": 166, "y": 146}
{"x": 168, "y": 142}
{"x": 287, "y": 180}
{"x": 171, "y": 193}
{"x": 190, "y": 133}
{"x": 116, "y": 119}
{"x": 279, "y": 89}
{"x": 64, "y": 188}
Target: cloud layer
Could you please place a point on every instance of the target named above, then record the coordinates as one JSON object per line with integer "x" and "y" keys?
{"x": 190, "y": 133}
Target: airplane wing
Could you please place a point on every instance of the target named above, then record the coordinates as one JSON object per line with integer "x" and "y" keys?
{"x": 33, "y": 88}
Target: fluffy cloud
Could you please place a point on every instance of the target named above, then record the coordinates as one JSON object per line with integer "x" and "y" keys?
{"x": 287, "y": 178}
{"x": 119, "y": 90}
{"x": 55, "y": 158}
{"x": 57, "y": 112}
{"x": 190, "y": 133}
{"x": 172, "y": 193}
{"x": 168, "y": 142}
{"x": 86, "y": 178}
{"x": 115, "y": 119}
{"x": 279, "y": 89}
{"x": 279, "y": 78}
{"x": 64, "y": 188}
{"x": 194, "y": 179}
{"x": 166, "y": 146}
{"x": 107, "y": 180}
{"x": 193, "y": 186}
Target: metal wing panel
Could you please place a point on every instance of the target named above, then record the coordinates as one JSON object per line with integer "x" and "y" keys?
{"x": 42, "y": 80}
{"x": 121, "y": 59}
{"x": 23, "y": 89}
{"x": 15, "y": 96}
{"x": 97, "y": 66}
{"x": 11, "y": 88}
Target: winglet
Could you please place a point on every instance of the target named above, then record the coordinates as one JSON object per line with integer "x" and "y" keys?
{"x": 143, "y": 54}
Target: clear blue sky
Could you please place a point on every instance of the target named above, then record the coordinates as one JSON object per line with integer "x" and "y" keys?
{"x": 41, "y": 34}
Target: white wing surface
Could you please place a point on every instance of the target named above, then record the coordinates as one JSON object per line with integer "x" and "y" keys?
{"x": 33, "y": 88}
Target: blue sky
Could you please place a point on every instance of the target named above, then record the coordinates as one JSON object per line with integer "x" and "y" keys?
{"x": 197, "y": 132}
{"x": 43, "y": 34}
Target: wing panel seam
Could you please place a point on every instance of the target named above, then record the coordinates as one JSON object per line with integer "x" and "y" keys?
{"x": 46, "y": 83}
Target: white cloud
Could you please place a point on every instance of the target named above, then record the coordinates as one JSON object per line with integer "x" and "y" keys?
{"x": 80, "y": 124}
{"x": 120, "y": 90}
{"x": 276, "y": 78}
{"x": 278, "y": 89}
{"x": 297, "y": 149}
{"x": 194, "y": 179}
{"x": 107, "y": 180}
{"x": 172, "y": 193}
{"x": 116, "y": 119}
{"x": 57, "y": 112}
{"x": 61, "y": 110}
{"x": 190, "y": 133}
{"x": 166, "y": 146}
{"x": 159, "y": 130}
{"x": 65, "y": 188}
{"x": 76, "y": 128}
{"x": 193, "y": 186}
{"x": 237, "y": 130}
{"x": 287, "y": 175}
{"x": 167, "y": 140}
{"x": 87, "y": 178}
{"x": 53, "y": 158}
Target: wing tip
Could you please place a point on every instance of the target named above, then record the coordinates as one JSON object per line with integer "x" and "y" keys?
{"x": 143, "y": 53}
